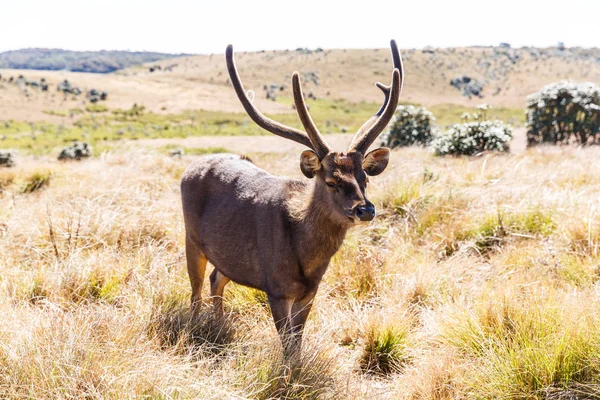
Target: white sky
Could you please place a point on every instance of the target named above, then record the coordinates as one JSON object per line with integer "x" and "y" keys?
{"x": 201, "y": 26}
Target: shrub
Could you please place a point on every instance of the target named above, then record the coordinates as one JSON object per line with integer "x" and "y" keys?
{"x": 77, "y": 151}
{"x": 471, "y": 138}
{"x": 7, "y": 159}
{"x": 411, "y": 125}
{"x": 564, "y": 112}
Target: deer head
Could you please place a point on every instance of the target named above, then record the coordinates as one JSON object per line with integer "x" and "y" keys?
{"x": 341, "y": 178}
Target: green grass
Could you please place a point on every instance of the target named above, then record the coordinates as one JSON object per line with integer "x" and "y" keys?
{"x": 96, "y": 108}
{"x": 447, "y": 114}
{"x": 96, "y": 125}
{"x": 60, "y": 113}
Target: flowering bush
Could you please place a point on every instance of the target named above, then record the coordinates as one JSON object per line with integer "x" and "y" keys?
{"x": 564, "y": 112}
{"x": 77, "y": 151}
{"x": 473, "y": 137}
{"x": 411, "y": 125}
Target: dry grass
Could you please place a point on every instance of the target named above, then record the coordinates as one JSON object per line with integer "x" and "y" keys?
{"x": 478, "y": 279}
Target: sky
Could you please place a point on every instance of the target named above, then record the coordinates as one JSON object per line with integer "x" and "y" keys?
{"x": 202, "y": 27}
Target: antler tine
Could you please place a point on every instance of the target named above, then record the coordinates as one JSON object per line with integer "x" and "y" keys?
{"x": 366, "y": 127}
{"x": 363, "y": 142}
{"x": 320, "y": 146}
{"x": 386, "y": 91}
{"x": 259, "y": 118}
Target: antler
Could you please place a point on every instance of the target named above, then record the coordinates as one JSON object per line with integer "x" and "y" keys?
{"x": 320, "y": 146}
{"x": 367, "y": 133}
{"x": 261, "y": 120}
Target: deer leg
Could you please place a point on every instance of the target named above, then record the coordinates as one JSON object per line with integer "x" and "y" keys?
{"x": 196, "y": 265}
{"x": 281, "y": 309}
{"x": 300, "y": 311}
{"x": 217, "y": 285}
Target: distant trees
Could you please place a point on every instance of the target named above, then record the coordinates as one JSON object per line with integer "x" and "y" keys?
{"x": 77, "y": 61}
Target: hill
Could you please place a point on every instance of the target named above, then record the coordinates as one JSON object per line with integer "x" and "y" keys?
{"x": 77, "y": 61}
{"x": 506, "y": 75}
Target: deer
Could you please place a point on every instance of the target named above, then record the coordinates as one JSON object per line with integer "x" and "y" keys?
{"x": 278, "y": 234}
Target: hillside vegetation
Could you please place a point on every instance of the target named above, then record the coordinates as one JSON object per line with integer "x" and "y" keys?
{"x": 77, "y": 61}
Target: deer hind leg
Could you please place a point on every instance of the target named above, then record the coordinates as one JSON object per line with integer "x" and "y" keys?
{"x": 196, "y": 266}
{"x": 217, "y": 285}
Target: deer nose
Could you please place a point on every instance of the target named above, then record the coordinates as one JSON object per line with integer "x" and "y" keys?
{"x": 365, "y": 212}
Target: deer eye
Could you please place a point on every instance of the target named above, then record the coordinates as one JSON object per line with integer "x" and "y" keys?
{"x": 331, "y": 185}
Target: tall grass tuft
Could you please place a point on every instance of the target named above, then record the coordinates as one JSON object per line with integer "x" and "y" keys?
{"x": 385, "y": 348}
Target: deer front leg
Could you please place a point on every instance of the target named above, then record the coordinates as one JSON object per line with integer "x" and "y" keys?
{"x": 300, "y": 311}
{"x": 281, "y": 309}
{"x": 196, "y": 266}
{"x": 217, "y": 285}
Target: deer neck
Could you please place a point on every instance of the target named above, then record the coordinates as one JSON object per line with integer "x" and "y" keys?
{"x": 319, "y": 233}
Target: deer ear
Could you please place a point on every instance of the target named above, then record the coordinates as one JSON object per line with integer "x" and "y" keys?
{"x": 309, "y": 163}
{"x": 376, "y": 161}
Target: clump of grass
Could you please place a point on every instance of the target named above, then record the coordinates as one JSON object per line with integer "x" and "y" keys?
{"x": 96, "y": 108}
{"x": 37, "y": 180}
{"x": 96, "y": 286}
{"x": 385, "y": 348}
{"x": 175, "y": 326}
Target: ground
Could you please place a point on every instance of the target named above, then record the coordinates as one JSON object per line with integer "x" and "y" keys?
{"x": 478, "y": 278}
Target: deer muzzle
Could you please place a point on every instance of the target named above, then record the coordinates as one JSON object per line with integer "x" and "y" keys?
{"x": 365, "y": 212}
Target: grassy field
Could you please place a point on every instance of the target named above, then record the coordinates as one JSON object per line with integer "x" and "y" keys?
{"x": 478, "y": 279}
{"x": 104, "y": 128}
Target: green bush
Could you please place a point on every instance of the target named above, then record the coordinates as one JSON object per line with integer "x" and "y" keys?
{"x": 411, "y": 125}
{"x": 564, "y": 112}
{"x": 475, "y": 137}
